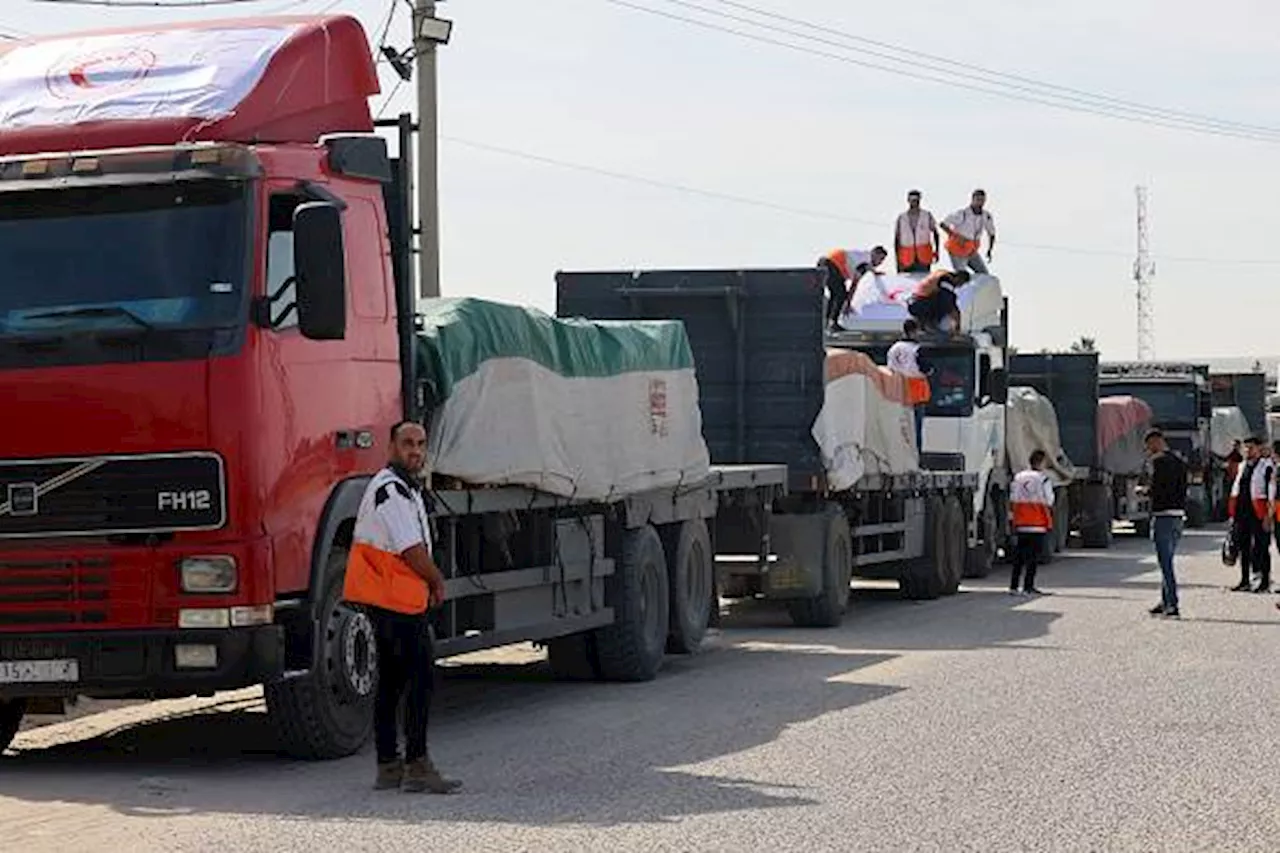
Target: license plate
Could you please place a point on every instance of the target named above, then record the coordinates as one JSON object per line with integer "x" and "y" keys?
{"x": 39, "y": 671}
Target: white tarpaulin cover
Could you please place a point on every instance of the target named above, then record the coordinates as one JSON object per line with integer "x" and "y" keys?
{"x": 1227, "y": 426}
{"x": 136, "y": 76}
{"x": 865, "y": 425}
{"x": 591, "y": 410}
{"x": 880, "y": 302}
{"x": 1031, "y": 423}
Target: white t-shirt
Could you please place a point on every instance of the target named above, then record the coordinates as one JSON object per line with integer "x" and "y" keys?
{"x": 970, "y": 225}
{"x": 904, "y": 358}
{"x": 392, "y": 516}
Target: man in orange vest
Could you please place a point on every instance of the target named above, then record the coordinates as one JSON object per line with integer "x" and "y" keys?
{"x": 915, "y": 237}
{"x": 841, "y": 270}
{"x": 393, "y": 578}
{"x": 964, "y": 235}
{"x": 1031, "y": 508}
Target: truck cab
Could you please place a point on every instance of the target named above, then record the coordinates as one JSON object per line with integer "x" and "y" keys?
{"x": 964, "y": 426}
{"x": 1182, "y": 406}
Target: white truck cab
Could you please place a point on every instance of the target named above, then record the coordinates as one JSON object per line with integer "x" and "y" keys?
{"x": 964, "y": 426}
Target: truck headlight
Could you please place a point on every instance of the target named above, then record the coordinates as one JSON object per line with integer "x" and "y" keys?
{"x": 209, "y": 574}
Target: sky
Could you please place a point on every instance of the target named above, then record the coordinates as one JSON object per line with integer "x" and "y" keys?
{"x": 596, "y": 85}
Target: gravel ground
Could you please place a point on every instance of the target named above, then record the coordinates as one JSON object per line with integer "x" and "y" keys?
{"x": 981, "y": 722}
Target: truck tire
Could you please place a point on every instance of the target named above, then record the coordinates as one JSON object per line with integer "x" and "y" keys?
{"x": 827, "y": 609}
{"x": 924, "y": 578}
{"x": 631, "y": 649}
{"x": 981, "y": 558}
{"x": 328, "y": 713}
{"x": 957, "y": 545}
{"x": 1061, "y": 521}
{"x": 691, "y": 565}
{"x": 11, "y": 713}
{"x": 573, "y": 658}
{"x": 1095, "y": 529}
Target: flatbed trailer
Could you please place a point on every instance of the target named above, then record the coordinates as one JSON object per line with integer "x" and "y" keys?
{"x": 758, "y": 341}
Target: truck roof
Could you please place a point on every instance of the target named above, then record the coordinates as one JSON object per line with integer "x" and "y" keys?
{"x": 268, "y": 79}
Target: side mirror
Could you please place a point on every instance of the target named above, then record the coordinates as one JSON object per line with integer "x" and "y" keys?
{"x": 999, "y": 384}
{"x": 320, "y": 266}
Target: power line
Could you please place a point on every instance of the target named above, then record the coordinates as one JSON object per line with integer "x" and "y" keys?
{"x": 1042, "y": 99}
{"x": 153, "y": 4}
{"x": 799, "y": 211}
{"x": 912, "y": 55}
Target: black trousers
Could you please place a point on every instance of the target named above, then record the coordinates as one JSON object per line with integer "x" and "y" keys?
{"x": 1255, "y": 548}
{"x": 406, "y": 673}
{"x": 837, "y": 293}
{"x": 1026, "y": 554}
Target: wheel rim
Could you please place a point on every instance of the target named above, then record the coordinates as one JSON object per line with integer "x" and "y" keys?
{"x": 351, "y": 657}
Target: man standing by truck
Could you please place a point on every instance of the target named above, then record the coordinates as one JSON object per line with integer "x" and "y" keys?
{"x": 1031, "y": 507}
{"x": 392, "y": 576}
{"x": 1168, "y": 509}
{"x": 1252, "y": 507}
{"x": 904, "y": 359}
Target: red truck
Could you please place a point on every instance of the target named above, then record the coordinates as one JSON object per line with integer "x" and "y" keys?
{"x": 206, "y": 330}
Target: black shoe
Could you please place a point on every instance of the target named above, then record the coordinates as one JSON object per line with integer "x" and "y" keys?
{"x": 1240, "y": 587}
{"x": 1171, "y": 614}
{"x": 1158, "y": 610}
{"x": 1262, "y": 588}
{"x": 1034, "y": 591}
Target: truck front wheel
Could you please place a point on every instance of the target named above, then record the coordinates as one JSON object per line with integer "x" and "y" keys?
{"x": 11, "y": 712}
{"x": 328, "y": 712}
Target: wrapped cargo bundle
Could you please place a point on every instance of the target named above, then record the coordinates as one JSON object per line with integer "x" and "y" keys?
{"x": 1227, "y": 426}
{"x": 1031, "y": 423}
{"x": 865, "y": 425}
{"x": 1123, "y": 421}
{"x": 589, "y": 410}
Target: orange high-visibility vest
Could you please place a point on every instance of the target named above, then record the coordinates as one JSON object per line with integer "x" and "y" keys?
{"x": 1031, "y": 502}
{"x": 392, "y": 519}
{"x": 914, "y": 247}
{"x": 1262, "y": 489}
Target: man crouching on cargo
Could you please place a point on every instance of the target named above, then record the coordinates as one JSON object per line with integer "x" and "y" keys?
{"x": 390, "y": 574}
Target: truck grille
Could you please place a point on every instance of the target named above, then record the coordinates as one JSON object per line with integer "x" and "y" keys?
{"x": 54, "y": 593}
{"x": 102, "y": 495}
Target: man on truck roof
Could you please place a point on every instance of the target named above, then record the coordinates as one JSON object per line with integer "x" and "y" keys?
{"x": 392, "y": 576}
{"x": 915, "y": 237}
{"x": 964, "y": 234}
{"x": 841, "y": 270}
{"x": 934, "y": 300}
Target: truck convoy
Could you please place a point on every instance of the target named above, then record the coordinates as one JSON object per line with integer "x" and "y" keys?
{"x": 773, "y": 386}
{"x": 208, "y": 323}
{"x": 1182, "y": 407}
{"x": 1102, "y": 436}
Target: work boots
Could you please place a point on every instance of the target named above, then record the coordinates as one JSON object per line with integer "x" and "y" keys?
{"x": 421, "y": 777}
{"x": 390, "y": 775}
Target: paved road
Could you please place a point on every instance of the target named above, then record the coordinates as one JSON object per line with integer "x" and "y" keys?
{"x": 981, "y": 722}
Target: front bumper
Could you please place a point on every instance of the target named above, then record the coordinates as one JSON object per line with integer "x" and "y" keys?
{"x": 141, "y": 663}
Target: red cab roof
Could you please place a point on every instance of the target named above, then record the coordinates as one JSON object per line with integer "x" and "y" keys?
{"x": 278, "y": 79}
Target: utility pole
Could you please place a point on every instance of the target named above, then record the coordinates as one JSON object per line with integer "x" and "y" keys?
{"x": 1144, "y": 271}
{"x": 428, "y": 33}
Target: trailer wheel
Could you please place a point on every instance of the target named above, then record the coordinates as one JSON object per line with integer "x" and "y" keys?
{"x": 631, "y": 649}
{"x": 957, "y": 545}
{"x": 328, "y": 713}
{"x": 925, "y": 578}
{"x": 827, "y": 609}
{"x": 981, "y": 558}
{"x": 573, "y": 658}
{"x": 11, "y": 713}
{"x": 691, "y": 564}
{"x": 1095, "y": 529}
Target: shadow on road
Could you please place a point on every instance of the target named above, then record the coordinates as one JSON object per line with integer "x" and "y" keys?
{"x": 534, "y": 751}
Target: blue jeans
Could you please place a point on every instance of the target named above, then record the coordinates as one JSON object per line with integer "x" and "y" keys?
{"x": 919, "y": 416}
{"x": 1166, "y": 530}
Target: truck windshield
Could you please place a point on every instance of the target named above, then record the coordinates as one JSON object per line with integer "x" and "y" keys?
{"x": 1172, "y": 403}
{"x": 148, "y": 259}
{"x": 950, "y": 383}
